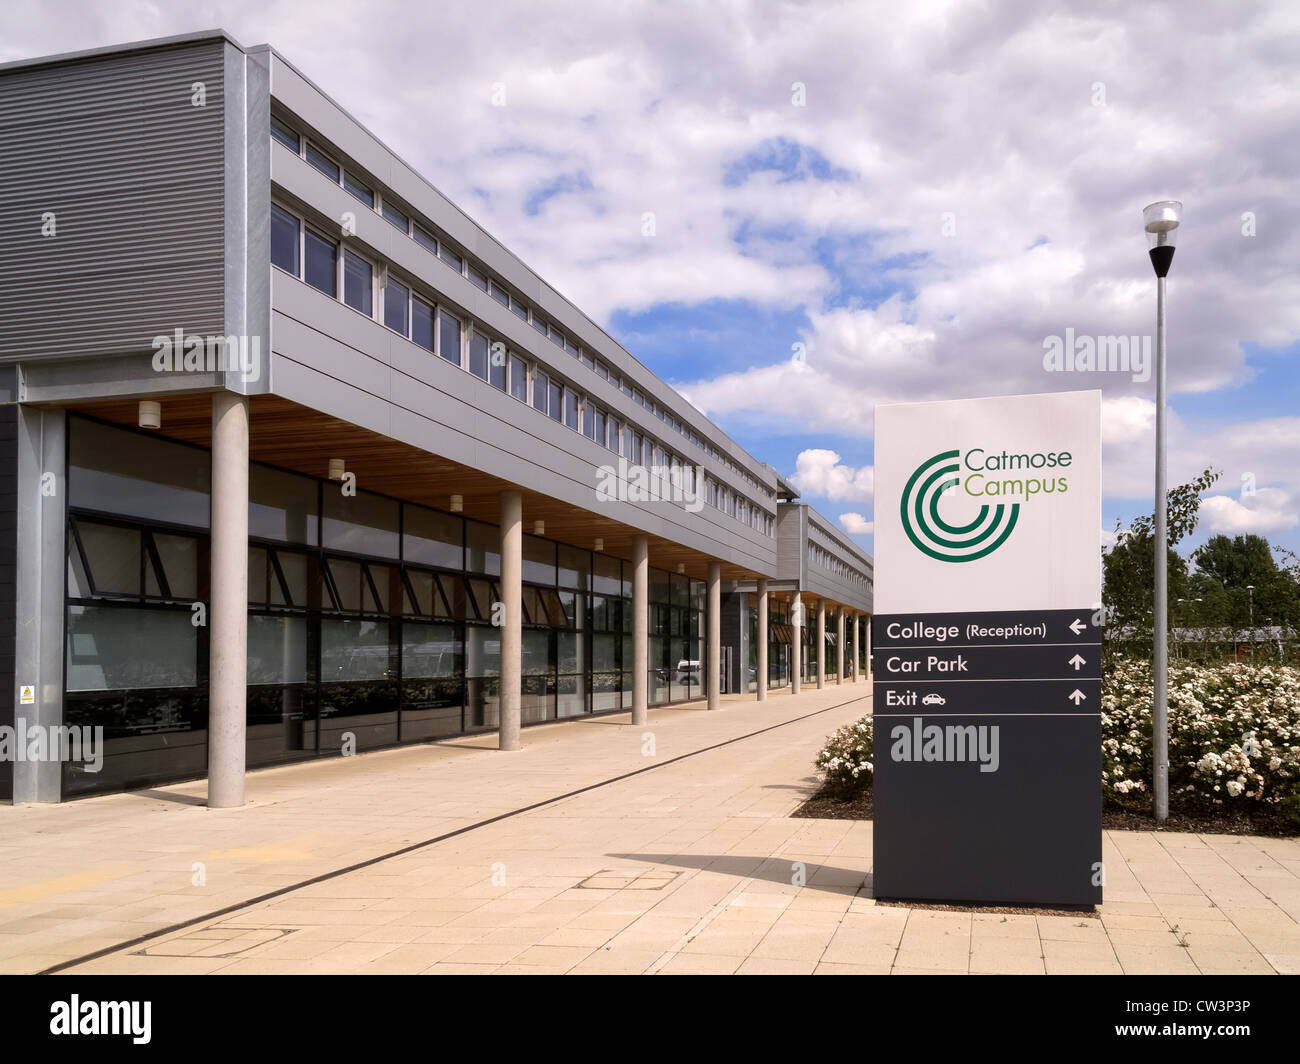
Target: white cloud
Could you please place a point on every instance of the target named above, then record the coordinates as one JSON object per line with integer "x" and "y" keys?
{"x": 1268, "y": 510}
{"x": 856, "y": 525}
{"x": 819, "y": 474}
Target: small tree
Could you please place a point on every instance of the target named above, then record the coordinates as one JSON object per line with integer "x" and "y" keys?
{"x": 1128, "y": 567}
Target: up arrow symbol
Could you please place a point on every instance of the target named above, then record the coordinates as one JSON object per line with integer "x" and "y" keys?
{"x": 1076, "y": 661}
{"x": 1077, "y": 626}
{"x": 1076, "y": 696}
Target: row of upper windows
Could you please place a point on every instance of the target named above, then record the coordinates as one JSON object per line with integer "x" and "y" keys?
{"x": 838, "y": 566}
{"x": 402, "y": 220}
{"x": 302, "y": 250}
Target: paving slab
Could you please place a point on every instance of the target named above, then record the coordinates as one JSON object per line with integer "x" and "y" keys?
{"x": 694, "y": 866}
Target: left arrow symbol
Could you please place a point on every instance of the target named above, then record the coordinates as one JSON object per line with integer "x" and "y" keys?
{"x": 1076, "y": 696}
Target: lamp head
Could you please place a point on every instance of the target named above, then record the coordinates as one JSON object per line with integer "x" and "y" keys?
{"x": 1160, "y": 220}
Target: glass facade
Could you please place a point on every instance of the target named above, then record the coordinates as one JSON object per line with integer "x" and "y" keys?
{"x": 370, "y": 618}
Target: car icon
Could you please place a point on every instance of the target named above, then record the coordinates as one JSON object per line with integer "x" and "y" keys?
{"x": 933, "y": 700}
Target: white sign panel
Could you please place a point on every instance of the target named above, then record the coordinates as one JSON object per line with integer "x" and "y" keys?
{"x": 989, "y": 504}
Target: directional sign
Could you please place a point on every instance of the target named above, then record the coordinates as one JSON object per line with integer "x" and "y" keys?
{"x": 986, "y": 650}
{"x": 949, "y": 664}
{"x": 998, "y": 628}
{"x": 1011, "y": 697}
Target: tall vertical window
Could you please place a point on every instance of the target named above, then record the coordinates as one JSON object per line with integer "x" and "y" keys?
{"x": 518, "y": 378}
{"x": 422, "y": 323}
{"x": 497, "y": 364}
{"x": 358, "y": 283}
{"x": 554, "y": 399}
{"x": 285, "y": 230}
{"x": 396, "y": 305}
{"x": 570, "y": 408}
{"x": 589, "y": 419}
{"x": 320, "y": 258}
{"x": 449, "y": 337}
{"x": 541, "y": 389}
{"x": 478, "y": 354}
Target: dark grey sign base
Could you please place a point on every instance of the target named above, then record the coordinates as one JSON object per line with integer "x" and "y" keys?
{"x": 1027, "y": 834}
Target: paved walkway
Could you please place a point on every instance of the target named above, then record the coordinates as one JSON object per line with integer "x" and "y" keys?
{"x": 692, "y": 866}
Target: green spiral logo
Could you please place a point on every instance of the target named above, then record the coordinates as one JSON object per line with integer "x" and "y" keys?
{"x": 934, "y": 536}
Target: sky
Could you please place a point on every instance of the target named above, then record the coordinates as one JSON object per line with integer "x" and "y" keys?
{"x": 795, "y": 211}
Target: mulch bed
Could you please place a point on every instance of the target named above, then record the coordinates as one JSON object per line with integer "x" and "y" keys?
{"x": 1115, "y": 815}
{"x": 822, "y": 806}
{"x": 1087, "y": 913}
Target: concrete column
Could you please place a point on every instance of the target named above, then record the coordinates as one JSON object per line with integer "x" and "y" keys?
{"x": 228, "y": 623}
{"x": 761, "y": 678}
{"x": 867, "y": 645}
{"x": 839, "y": 645}
{"x": 33, "y": 501}
{"x": 715, "y": 636}
{"x": 796, "y": 643}
{"x": 640, "y": 629}
{"x": 821, "y": 643}
{"x": 857, "y": 644}
{"x": 512, "y": 632}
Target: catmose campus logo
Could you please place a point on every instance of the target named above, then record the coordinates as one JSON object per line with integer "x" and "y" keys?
{"x": 981, "y": 474}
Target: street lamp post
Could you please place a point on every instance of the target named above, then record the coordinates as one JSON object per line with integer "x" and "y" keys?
{"x": 1160, "y": 221}
{"x": 1250, "y": 590}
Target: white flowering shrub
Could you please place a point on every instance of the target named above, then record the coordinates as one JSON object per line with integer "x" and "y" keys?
{"x": 846, "y": 760}
{"x": 1234, "y": 734}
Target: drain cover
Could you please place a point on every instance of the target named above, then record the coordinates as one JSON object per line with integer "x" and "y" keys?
{"x": 611, "y": 879}
{"x": 219, "y": 940}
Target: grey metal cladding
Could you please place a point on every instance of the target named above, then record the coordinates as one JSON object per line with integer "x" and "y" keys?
{"x": 820, "y": 531}
{"x": 133, "y": 172}
{"x": 333, "y": 359}
{"x": 325, "y": 120}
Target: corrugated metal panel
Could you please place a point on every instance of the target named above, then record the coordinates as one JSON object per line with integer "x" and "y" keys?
{"x": 134, "y": 174}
